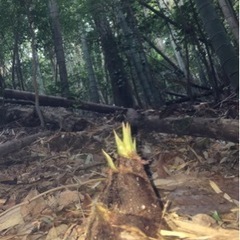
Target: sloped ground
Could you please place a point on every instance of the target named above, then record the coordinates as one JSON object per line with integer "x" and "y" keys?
{"x": 48, "y": 187}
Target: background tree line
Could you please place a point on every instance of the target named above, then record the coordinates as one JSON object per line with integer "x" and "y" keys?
{"x": 125, "y": 52}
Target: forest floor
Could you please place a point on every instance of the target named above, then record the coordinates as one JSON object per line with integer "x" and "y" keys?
{"x": 47, "y": 187}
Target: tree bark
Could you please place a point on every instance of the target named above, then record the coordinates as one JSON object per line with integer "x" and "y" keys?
{"x": 230, "y": 17}
{"x": 93, "y": 89}
{"x": 135, "y": 52}
{"x": 122, "y": 94}
{"x": 35, "y": 63}
{"x": 58, "y": 44}
{"x": 204, "y": 51}
{"x": 224, "y": 129}
{"x": 219, "y": 39}
{"x": 53, "y": 101}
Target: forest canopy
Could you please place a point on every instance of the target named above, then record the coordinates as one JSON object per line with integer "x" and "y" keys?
{"x": 131, "y": 53}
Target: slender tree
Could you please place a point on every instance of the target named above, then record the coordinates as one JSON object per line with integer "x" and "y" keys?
{"x": 119, "y": 80}
{"x": 35, "y": 62}
{"x": 230, "y": 17}
{"x": 17, "y": 76}
{"x": 58, "y": 44}
{"x": 219, "y": 39}
{"x": 134, "y": 50}
{"x": 93, "y": 89}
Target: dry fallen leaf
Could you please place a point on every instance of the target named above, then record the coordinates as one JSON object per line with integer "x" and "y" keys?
{"x": 57, "y": 233}
{"x": 33, "y": 208}
{"x": 11, "y": 219}
{"x": 204, "y": 220}
{"x": 68, "y": 197}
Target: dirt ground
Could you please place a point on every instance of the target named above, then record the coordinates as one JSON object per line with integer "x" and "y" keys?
{"x": 47, "y": 187}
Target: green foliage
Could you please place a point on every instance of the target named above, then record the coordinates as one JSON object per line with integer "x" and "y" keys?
{"x": 74, "y": 14}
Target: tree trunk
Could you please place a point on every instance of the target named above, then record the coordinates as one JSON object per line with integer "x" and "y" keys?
{"x": 58, "y": 44}
{"x": 206, "y": 56}
{"x": 39, "y": 74}
{"x": 135, "y": 52}
{"x": 34, "y": 63}
{"x": 122, "y": 94}
{"x": 93, "y": 89}
{"x": 219, "y": 40}
{"x": 172, "y": 36}
{"x": 230, "y": 17}
{"x": 19, "y": 69}
{"x": 54, "y": 70}
{"x": 177, "y": 52}
{"x": 14, "y": 61}
{"x": 17, "y": 77}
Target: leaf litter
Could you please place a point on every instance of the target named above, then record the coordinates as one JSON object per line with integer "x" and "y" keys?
{"x": 48, "y": 188}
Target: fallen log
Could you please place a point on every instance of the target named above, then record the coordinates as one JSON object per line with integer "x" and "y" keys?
{"x": 53, "y": 101}
{"x": 17, "y": 144}
{"x": 222, "y": 129}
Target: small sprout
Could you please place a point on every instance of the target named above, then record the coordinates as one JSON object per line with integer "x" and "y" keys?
{"x": 126, "y": 147}
{"x": 110, "y": 161}
{"x": 216, "y": 216}
{"x": 119, "y": 143}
